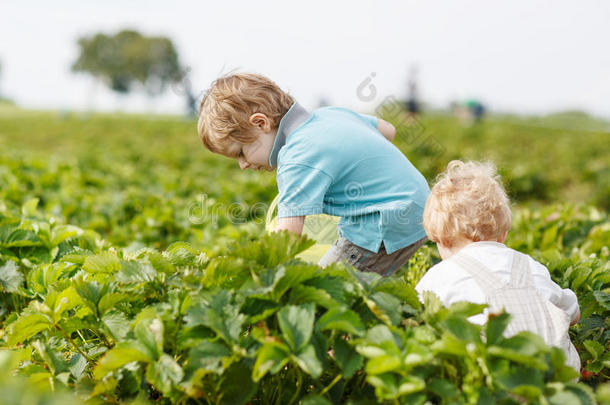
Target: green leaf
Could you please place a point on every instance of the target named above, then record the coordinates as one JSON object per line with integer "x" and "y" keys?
{"x": 54, "y": 361}
{"x": 602, "y": 298}
{"x": 445, "y": 389}
{"x": 226, "y": 272}
{"x": 62, "y": 302}
{"x": 91, "y": 293}
{"x": 417, "y": 354}
{"x": 572, "y": 393}
{"x": 594, "y": 348}
{"x": 466, "y": 309}
{"x": 344, "y": 320}
{"x": 315, "y": 399}
{"x": 449, "y": 344}
{"x": 271, "y": 357}
{"x": 496, "y": 325}
{"x": 259, "y": 309}
{"x": 237, "y": 386}
{"x": 399, "y": 288}
{"x": 294, "y": 275}
{"x": 164, "y": 374}
{"x": 102, "y": 263}
{"x": 149, "y": 332}
{"x": 346, "y": 357}
{"x": 109, "y": 300}
{"x": 160, "y": 263}
{"x": 603, "y": 393}
{"x": 135, "y": 272}
{"x": 379, "y": 334}
{"x": 117, "y": 357}
{"x": 296, "y": 324}
{"x": 210, "y": 356}
{"x": 10, "y": 277}
{"x": 383, "y": 363}
{"x": 274, "y": 248}
{"x": 77, "y": 366}
{"x": 60, "y": 233}
{"x": 462, "y": 329}
{"x": 220, "y": 312}
{"x": 27, "y": 326}
{"x": 181, "y": 254}
{"x": 334, "y": 286}
{"x": 302, "y": 294}
{"x": 308, "y": 361}
{"x": 116, "y": 323}
{"x": 522, "y": 348}
{"x": 390, "y": 386}
{"x": 11, "y": 237}
{"x": 28, "y": 209}
{"x": 523, "y": 380}
{"x": 386, "y": 307}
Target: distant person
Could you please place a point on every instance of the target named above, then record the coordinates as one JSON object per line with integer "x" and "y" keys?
{"x": 468, "y": 216}
{"x": 476, "y": 109}
{"x": 331, "y": 160}
{"x": 412, "y": 102}
{"x": 468, "y": 112}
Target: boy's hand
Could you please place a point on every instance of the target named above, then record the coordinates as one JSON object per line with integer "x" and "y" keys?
{"x": 293, "y": 224}
{"x": 576, "y": 319}
{"x": 386, "y": 129}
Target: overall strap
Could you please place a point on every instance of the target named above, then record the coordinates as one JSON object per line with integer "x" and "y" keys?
{"x": 483, "y": 276}
{"x": 521, "y": 274}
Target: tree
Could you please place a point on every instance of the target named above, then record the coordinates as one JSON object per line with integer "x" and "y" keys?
{"x": 129, "y": 58}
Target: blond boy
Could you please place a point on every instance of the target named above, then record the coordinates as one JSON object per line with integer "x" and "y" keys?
{"x": 331, "y": 160}
{"x": 468, "y": 216}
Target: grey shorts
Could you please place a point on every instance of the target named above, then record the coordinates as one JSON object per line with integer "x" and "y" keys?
{"x": 365, "y": 260}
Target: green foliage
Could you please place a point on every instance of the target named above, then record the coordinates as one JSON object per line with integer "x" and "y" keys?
{"x": 277, "y": 328}
{"x": 120, "y": 282}
{"x": 128, "y": 57}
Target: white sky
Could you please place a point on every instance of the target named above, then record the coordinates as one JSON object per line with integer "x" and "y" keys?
{"x": 528, "y": 56}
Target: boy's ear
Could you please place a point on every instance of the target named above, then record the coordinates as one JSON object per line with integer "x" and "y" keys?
{"x": 260, "y": 121}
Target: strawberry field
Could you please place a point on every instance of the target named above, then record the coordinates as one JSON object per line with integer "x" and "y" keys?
{"x": 135, "y": 268}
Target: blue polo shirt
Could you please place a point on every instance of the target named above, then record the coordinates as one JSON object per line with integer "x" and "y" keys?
{"x": 335, "y": 161}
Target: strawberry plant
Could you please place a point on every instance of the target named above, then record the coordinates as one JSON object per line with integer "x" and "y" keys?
{"x": 134, "y": 268}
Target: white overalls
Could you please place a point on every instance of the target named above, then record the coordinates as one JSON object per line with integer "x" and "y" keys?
{"x": 529, "y": 310}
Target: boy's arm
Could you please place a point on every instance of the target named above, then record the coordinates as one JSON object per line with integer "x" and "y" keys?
{"x": 386, "y": 129}
{"x": 576, "y": 318}
{"x": 564, "y": 298}
{"x": 292, "y": 224}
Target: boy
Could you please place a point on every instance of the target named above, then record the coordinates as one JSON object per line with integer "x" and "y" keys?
{"x": 331, "y": 161}
{"x": 468, "y": 216}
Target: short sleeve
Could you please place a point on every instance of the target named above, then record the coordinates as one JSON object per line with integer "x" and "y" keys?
{"x": 370, "y": 119}
{"x": 301, "y": 189}
{"x": 569, "y": 303}
{"x": 564, "y": 298}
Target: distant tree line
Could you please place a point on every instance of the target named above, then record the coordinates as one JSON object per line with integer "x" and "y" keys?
{"x": 128, "y": 61}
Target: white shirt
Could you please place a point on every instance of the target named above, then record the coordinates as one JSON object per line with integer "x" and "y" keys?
{"x": 452, "y": 284}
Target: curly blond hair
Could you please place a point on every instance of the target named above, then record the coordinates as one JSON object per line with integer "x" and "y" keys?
{"x": 228, "y": 104}
{"x": 469, "y": 202}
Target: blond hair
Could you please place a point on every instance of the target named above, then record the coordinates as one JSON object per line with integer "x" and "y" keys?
{"x": 227, "y": 106}
{"x": 469, "y": 202}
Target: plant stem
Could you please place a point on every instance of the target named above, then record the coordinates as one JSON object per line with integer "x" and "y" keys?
{"x": 73, "y": 344}
{"x": 332, "y": 384}
{"x": 298, "y": 389}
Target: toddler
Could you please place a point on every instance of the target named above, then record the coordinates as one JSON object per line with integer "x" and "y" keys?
{"x": 468, "y": 216}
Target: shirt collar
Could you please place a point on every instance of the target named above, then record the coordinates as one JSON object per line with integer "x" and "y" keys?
{"x": 293, "y": 119}
{"x": 485, "y": 243}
